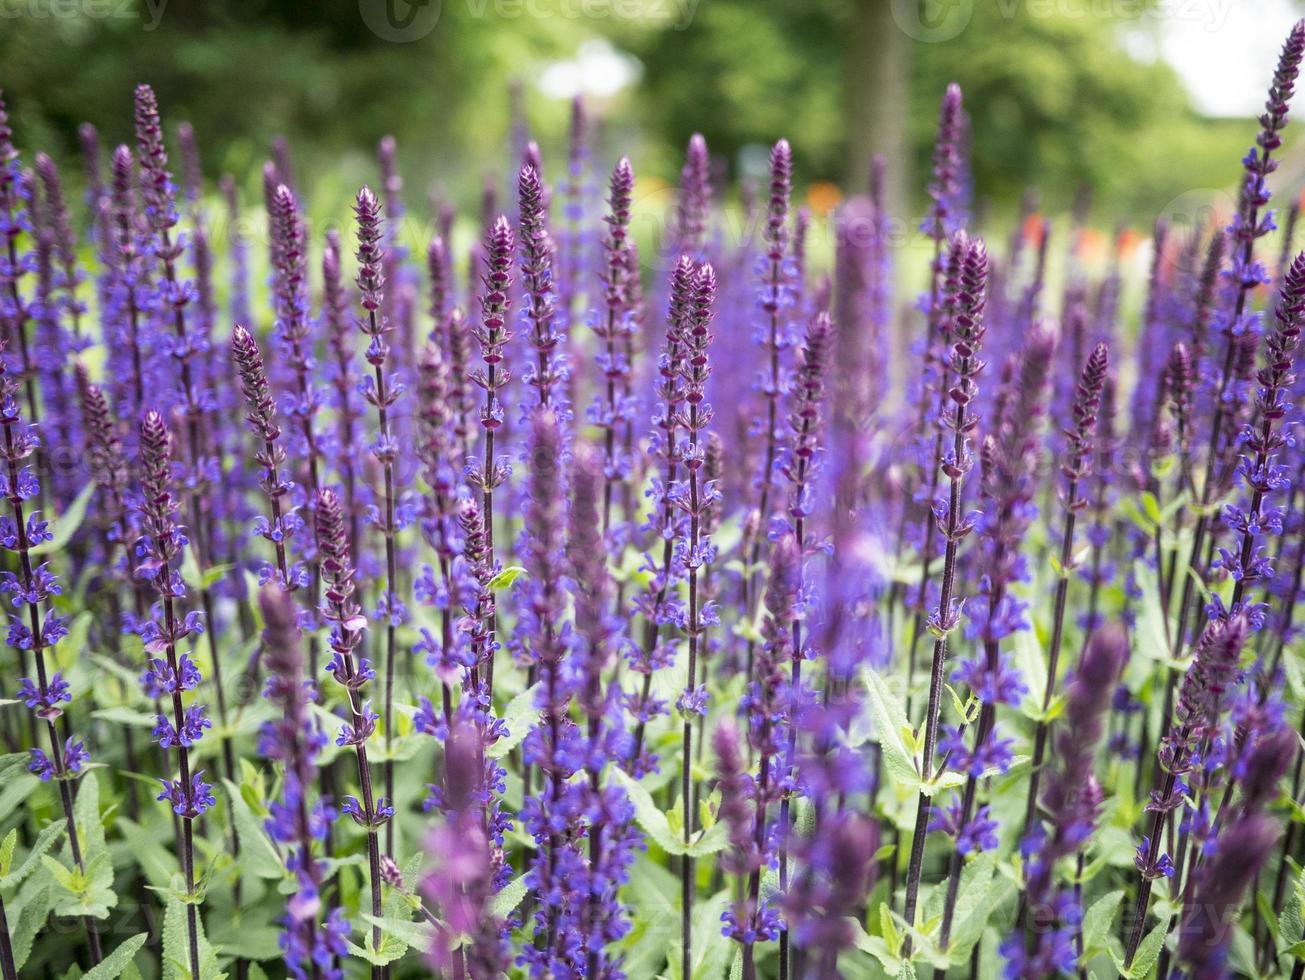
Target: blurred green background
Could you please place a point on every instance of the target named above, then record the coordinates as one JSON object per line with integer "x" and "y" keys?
{"x": 1063, "y": 94}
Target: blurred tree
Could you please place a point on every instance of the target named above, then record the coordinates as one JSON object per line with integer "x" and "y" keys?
{"x": 1055, "y": 98}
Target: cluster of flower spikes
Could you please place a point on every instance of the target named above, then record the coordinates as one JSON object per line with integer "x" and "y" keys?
{"x": 555, "y": 746}
{"x": 694, "y": 495}
{"x": 1264, "y": 436}
{"x": 606, "y": 810}
{"x": 312, "y": 942}
{"x": 437, "y": 447}
{"x": 659, "y": 604}
{"x": 944, "y": 220}
{"x": 1202, "y": 700}
{"x": 1008, "y": 459}
{"x": 466, "y": 875}
{"x": 766, "y": 706}
{"x": 472, "y": 575}
{"x": 31, "y": 589}
{"x": 158, "y": 557}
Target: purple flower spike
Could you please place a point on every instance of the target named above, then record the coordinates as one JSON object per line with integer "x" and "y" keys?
{"x": 461, "y": 885}
{"x": 693, "y": 205}
{"x": 297, "y": 820}
{"x": 548, "y": 373}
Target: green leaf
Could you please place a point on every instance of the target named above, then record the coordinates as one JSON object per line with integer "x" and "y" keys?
{"x": 714, "y": 839}
{"x": 1032, "y": 664}
{"x": 151, "y": 854}
{"x": 876, "y": 946}
{"x": 112, "y": 966}
{"x": 176, "y": 945}
{"x": 65, "y": 877}
{"x": 505, "y": 578}
{"x": 257, "y": 854}
{"x": 415, "y": 934}
{"x": 1151, "y": 633}
{"x": 27, "y": 916}
{"x": 392, "y": 948}
{"x": 508, "y": 897}
{"x": 650, "y": 817}
{"x": 889, "y": 719}
{"x": 981, "y": 891}
{"x": 7, "y": 852}
{"x": 1097, "y": 922}
{"x": 1291, "y": 922}
{"x": 519, "y": 718}
{"x": 16, "y": 783}
{"x": 86, "y": 812}
{"x": 67, "y": 524}
{"x": 711, "y": 949}
{"x": 1148, "y": 951}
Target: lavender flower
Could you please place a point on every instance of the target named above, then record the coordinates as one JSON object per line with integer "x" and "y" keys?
{"x": 312, "y": 941}
{"x": 344, "y": 383}
{"x": 693, "y": 204}
{"x": 611, "y": 410}
{"x": 1075, "y": 469}
{"x": 284, "y": 522}
{"x": 774, "y": 336}
{"x": 659, "y": 603}
{"x": 766, "y": 708}
{"x": 1201, "y": 700}
{"x": 695, "y": 497}
{"x": 966, "y": 329}
{"x": 612, "y": 837}
{"x": 59, "y": 226}
{"x": 1072, "y": 801}
{"x": 172, "y": 296}
{"x": 548, "y": 375}
{"x": 1218, "y": 887}
{"x": 158, "y": 557}
{"x": 382, "y": 391}
{"x": 1264, "y": 438}
{"x": 32, "y": 589}
{"x": 1251, "y": 223}
{"x": 1008, "y": 460}
{"x": 290, "y": 295}
{"x": 15, "y": 219}
{"x": 463, "y": 882}
{"x": 555, "y": 743}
